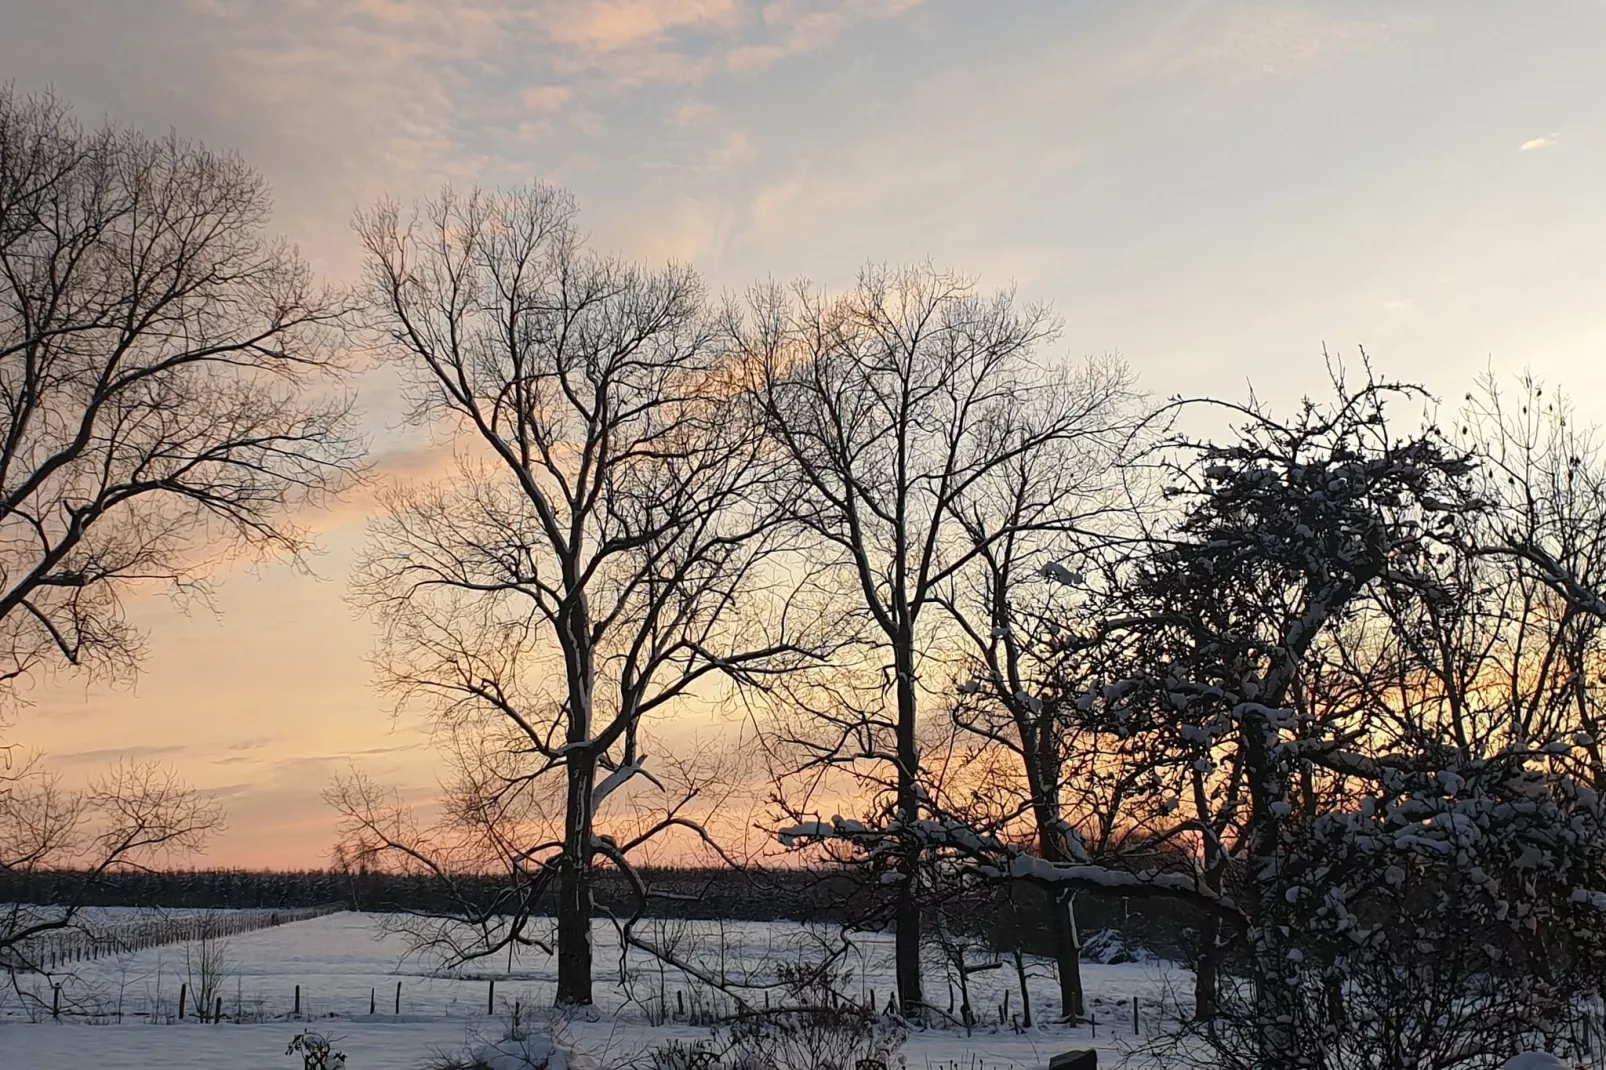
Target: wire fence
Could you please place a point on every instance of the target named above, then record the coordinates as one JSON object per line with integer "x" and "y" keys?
{"x": 88, "y": 940}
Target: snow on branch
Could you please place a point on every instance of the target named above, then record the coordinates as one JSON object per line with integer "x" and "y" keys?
{"x": 993, "y": 859}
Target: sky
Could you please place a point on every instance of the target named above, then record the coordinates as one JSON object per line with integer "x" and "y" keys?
{"x": 1215, "y": 191}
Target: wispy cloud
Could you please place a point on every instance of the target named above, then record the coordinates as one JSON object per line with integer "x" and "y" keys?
{"x": 800, "y": 26}
{"x": 1533, "y": 144}
{"x": 113, "y": 754}
{"x": 614, "y": 25}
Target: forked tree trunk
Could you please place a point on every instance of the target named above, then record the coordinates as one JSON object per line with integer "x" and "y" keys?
{"x": 574, "y": 874}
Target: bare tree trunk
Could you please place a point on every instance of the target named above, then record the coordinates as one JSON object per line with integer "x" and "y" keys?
{"x": 1274, "y": 996}
{"x": 1062, "y": 907}
{"x": 580, "y": 767}
{"x": 907, "y": 916}
{"x": 1206, "y": 978}
{"x": 1205, "y": 974}
{"x": 574, "y": 887}
{"x": 1068, "y": 957}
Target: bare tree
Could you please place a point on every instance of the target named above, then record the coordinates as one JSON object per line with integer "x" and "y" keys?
{"x": 155, "y": 352}
{"x": 130, "y": 816}
{"x": 1032, "y": 525}
{"x": 907, "y": 409}
{"x": 208, "y": 962}
{"x": 601, "y": 556}
{"x": 1543, "y": 475}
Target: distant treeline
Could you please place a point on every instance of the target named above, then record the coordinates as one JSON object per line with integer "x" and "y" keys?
{"x": 689, "y": 893}
{"x": 1005, "y": 917}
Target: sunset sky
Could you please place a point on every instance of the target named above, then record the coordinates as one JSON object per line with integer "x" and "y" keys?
{"x": 1213, "y": 190}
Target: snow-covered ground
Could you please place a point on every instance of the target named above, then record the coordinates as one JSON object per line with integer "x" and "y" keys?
{"x": 342, "y": 961}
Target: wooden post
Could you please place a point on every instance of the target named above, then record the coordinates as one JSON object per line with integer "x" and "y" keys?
{"x": 490, "y": 997}
{"x": 217, "y": 1011}
{"x": 371, "y": 1001}
{"x": 183, "y": 994}
{"x": 297, "y": 1012}
{"x": 55, "y": 1001}
{"x": 1134, "y": 1016}
{"x": 398, "y": 998}
{"x": 680, "y": 1001}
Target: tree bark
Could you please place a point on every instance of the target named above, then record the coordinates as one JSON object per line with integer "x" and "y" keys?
{"x": 906, "y": 951}
{"x": 574, "y": 887}
{"x": 1068, "y": 958}
{"x": 1205, "y": 973}
{"x": 1274, "y": 997}
{"x": 1062, "y": 918}
{"x": 580, "y": 766}
{"x": 1206, "y": 977}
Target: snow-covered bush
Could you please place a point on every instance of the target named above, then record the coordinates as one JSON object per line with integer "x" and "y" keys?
{"x": 519, "y": 1049}
{"x": 1113, "y": 947}
{"x": 1537, "y": 1060}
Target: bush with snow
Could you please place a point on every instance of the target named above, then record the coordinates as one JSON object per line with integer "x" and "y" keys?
{"x": 524, "y": 1053}
{"x": 1111, "y": 947}
{"x": 519, "y": 1049}
{"x": 1537, "y": 1060}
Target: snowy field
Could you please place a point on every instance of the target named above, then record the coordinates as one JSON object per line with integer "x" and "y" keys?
{"x": 120, "y": 1011}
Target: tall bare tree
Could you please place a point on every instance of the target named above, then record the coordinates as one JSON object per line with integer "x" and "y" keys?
{"x": 904, "y": 408}
{"x": 594, "y": 562}
{"x": 1035, "y": 524}
{"x": 161, "y": 361}
{"x": 156, "y": 349}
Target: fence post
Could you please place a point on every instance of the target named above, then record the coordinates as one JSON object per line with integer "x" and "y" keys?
{"x": 297, "y": 1012}
{"x": 55, "y": 1001}
{"x": 217, "y": 1011}
{"x": 1134, "y": 1016}
{"x": 398, "y": 999}
{"x": 370, "y": 1001}
{"x": 490, "y": 998}
{"x": 183, "y": 991}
